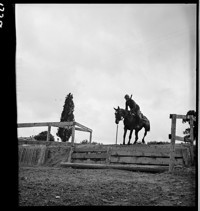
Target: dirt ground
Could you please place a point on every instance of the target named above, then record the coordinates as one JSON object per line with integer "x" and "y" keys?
{"x": 56, "y": 186}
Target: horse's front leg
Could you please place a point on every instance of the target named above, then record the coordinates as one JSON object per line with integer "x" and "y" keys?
{"x": 125, "y": 130}
{"x": 130, "y": 135}
{"x": 136, "y": 136}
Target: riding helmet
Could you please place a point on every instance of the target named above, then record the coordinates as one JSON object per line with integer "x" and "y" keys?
{"x": 126, "y": 97}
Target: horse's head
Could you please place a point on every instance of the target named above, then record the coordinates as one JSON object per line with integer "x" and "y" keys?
{"x": 191, "y": 113}
{"x": 118, "y": 114}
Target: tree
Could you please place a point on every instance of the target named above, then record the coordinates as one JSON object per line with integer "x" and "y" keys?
{"x": 43, "y": 136}
{"x": 66, "y": 116}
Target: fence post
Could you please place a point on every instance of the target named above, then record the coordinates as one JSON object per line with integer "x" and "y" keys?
{"x": 48, "y": 133}
{"x": 73, "y": 134}
{"x": 192, "y": 139}
{"x": 172, "y": 146}
{"x": 90, "y": 137}
{"x": 191, "y": 129}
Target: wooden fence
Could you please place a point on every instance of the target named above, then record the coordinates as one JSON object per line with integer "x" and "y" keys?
{"x": 134, "y": 157}
{"x": 174, "y": 137}
{"x": 74, "y": 125}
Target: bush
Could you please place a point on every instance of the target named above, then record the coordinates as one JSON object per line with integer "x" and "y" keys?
{"x": 87, "y": 142}
{"x": 84, "y": 142}
{"x": 43, "y": 136}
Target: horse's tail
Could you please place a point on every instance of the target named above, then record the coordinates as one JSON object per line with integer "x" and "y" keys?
{"x": 147, "y": 126}
{"x": 146, "y": 123}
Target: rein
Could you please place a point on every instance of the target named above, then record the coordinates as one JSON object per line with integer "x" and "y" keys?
{"x": 125, "y": 114}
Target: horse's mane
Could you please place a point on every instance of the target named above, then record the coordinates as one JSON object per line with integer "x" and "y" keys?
{"x": 126, "y": 112}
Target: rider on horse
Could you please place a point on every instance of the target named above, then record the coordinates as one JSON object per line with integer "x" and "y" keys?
{"x": 134, "y": 107}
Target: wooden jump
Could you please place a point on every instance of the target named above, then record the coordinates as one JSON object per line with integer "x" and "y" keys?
{"x": 173, "y": 137}
{"x": 137, "y": 157}
{"x": 74, "y": 125}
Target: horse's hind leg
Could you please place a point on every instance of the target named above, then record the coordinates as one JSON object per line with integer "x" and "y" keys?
{"x": 145, "y": 133}
{"x": 136, "y": 136}
{"x": 130, "y": 135}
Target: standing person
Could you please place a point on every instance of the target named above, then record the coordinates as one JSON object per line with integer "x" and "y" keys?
{"x": 134, "y": 107}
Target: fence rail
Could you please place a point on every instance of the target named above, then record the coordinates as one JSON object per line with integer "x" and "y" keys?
{"x": 74, "y": 125}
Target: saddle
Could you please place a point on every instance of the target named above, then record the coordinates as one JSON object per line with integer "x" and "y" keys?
{"x": 142, "y": 118}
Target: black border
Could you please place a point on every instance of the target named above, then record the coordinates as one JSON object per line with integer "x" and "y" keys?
{"x": 9, "y": 99}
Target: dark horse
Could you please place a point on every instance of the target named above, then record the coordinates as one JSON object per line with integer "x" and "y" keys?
{"x": 131, "y": 123}
{"x": 194, "y": 114}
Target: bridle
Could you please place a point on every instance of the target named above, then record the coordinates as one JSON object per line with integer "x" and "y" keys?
{"x": 119, "y": 115}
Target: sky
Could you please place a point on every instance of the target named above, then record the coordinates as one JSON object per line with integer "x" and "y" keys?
{"x": 99, "y": 53}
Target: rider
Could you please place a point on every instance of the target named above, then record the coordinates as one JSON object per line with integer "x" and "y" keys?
{"x": 134, "y": 107}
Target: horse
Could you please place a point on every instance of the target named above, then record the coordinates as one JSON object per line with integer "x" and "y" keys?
{"x": 131, "y": 123}
{"x": 191, "y": 113}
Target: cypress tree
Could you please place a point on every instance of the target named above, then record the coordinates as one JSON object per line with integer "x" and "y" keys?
{"x": 66, "y": 116}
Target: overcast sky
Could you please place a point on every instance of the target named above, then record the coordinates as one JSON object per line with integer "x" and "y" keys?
{"x": 99, "y": 53}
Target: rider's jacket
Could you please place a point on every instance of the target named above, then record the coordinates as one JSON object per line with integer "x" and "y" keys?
{"x": 132, "y": 105}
